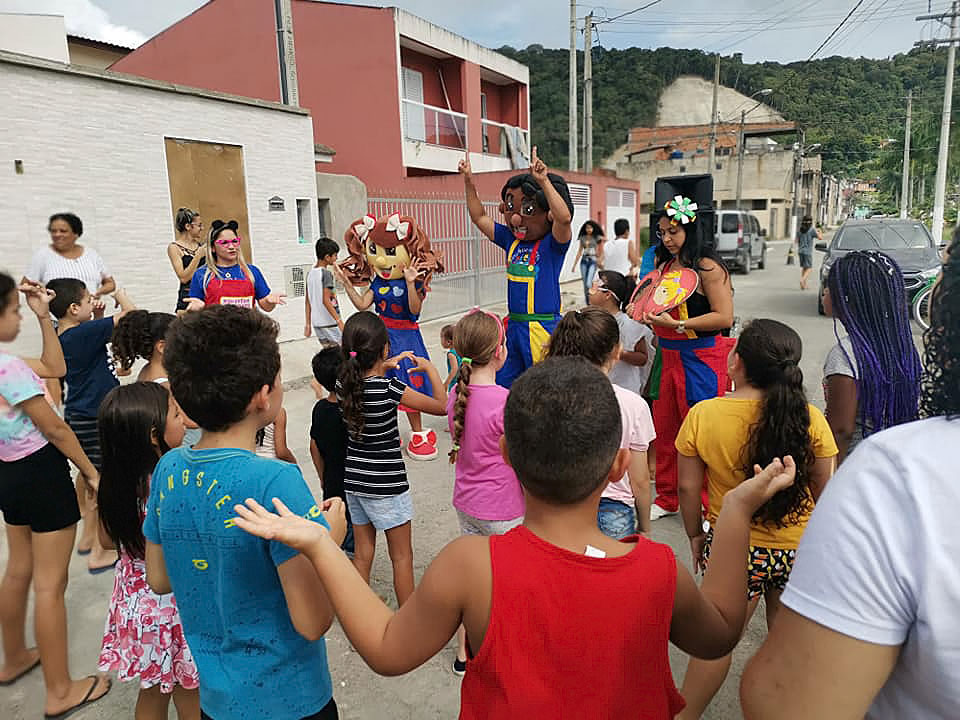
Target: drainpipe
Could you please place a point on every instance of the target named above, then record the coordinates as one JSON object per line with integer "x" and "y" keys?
{"x": 289, "y": 94}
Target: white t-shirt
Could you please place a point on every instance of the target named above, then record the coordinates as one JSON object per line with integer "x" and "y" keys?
{"x": 616, "y": 255}
{"x": 319, "y": 279}
{"x": 632, "y": 377}
{"x": 636, "y": 435}
{"x": 47, "y": 265}
{"x": 879, "y": 563}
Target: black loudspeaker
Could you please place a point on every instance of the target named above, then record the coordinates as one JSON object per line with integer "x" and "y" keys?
{"x": 698, "y": 188}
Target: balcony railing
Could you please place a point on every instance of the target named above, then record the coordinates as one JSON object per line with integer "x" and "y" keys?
{"x": 433, "y": 125}
{"x": 495, "y": 140}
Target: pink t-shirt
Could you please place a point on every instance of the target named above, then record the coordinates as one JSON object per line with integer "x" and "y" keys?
{"x": 485, "y": 487}
{"x": 636, "y": 435}
{"x": 19, "y": 437}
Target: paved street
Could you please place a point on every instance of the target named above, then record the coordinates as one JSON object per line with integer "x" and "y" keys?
{"x": 432, "y": 691}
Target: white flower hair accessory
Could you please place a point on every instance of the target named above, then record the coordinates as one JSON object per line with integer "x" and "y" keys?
{"x": 681, "y": 210}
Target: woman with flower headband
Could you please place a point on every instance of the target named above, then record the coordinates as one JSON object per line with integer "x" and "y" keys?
{"x": 227, "y": 278}
{"x": 694, "y": 355}
{"x": 392, "y": 256}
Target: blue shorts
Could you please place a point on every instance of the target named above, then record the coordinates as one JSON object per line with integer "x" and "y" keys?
{"x": 616, "y": 519}
{"x": 385, "y": 513}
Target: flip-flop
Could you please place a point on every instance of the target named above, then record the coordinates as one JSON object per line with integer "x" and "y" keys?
{"x": 97, "y": 571}
{"x": 11, "y": 681}
{"x": 83, "y": 703}
{"x": 84, "y": 552}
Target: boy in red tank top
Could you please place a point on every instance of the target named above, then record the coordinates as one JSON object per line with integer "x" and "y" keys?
{"x": 537, "y": 648}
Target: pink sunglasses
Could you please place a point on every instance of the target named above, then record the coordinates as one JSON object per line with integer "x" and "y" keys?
{"x": 228, "y": 241}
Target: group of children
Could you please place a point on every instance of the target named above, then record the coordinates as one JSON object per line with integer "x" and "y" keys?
{"x": 549, "y": 438}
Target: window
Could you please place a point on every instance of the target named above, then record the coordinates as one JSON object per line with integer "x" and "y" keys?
{"x": 729, "y": 222}
{"x": 323, "y": 214}
{"x": 758, "y": 204}
{"x": 883, "y": 237}
{"x": 414, "y": 119}
{"x": 304, "y": 231}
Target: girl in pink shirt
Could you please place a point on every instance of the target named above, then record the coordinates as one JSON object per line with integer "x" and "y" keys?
{"x": 486, "y": 493}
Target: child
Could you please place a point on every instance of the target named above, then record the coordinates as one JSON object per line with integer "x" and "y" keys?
{"x": 539, "y": 603}
{"x": 272, "y": 440}
{"x": 486, "y": 494}
{"x": 142, "y": 638}
{"x": 453, "y": 357}
{"x": 537, "y": 209}
{"x": 39, "y": 507}
{"x": 865, "y": 295}
{"x": 375, "y": 479}
{"x": 394, "y": 258}
{"x": 253, "y": 613}
{"x": 89, "y": 378}
{"x": 320, "y": 302}
{"x": 611, "y": 292}
{"x": 227, "y": 278}
{"x": 593, "y": 334}
{"x": 766, "y": 416}
{"x": 141, "y": 334}
{"x": 328, "y": 433}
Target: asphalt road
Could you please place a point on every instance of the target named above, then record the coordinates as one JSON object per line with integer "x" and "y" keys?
{"x": 432, "y": 691}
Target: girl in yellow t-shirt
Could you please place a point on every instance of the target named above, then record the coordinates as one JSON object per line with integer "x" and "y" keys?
{"x": 766, "y": 417}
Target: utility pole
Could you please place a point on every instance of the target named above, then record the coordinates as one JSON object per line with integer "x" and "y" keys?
{"x": 713, "y": 123}
{"x": 740, "y": 139}
{"x": 940, "y": 185}
{"x": 797, "y": 181}
{"x": 588, "y": 95}
{"x": 905, "y": 185}
{"x": 572, "y": 142}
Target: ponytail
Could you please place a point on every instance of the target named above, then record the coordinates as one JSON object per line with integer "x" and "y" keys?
{"x": 460, "y": 406}
{"x": 364, "y": 339}
{"x": 351, "y": 394}
{"x": 590, "y": 333}
{"x": 136, "y": 334}
{"x": 770, "y": 352}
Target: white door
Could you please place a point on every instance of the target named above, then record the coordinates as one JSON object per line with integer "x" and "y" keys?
{"x": 414, "y": 125}
{"x": 621, "y": 204}
{"x": 580, "y": 194}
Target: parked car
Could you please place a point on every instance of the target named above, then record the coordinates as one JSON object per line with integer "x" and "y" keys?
{"x": 740, "y": 241}
{"x": 906, "y": 241}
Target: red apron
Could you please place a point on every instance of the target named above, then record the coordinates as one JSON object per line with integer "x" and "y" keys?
{"x": 229, "y": 291}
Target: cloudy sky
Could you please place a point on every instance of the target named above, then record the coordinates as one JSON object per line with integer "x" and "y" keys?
{"x": 783, "y": 30}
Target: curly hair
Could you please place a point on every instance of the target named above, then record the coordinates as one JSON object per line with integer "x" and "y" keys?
{"x": 136, "y": 335}
{"x": 357, "y": 268}
{"x": 770, "y": 352}
{"x": 590, "y": 333}
{"x": 8, "y": 289}
{"x": 364, "y": 339}
{"x": 476, "y": 337}
{"x": 940, "y": 389}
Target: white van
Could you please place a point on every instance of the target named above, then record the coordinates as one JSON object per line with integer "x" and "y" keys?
{"x": 740, "y": 241}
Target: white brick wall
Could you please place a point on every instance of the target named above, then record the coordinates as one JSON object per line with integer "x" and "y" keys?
{"x": 95, "y": 147}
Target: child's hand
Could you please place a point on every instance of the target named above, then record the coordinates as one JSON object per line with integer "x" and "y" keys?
{"x": 697, "y": 544}
{"x": 463, "y": 167}
{"x": 38, "y": 298}
{"x": 765, "y": 483}
{"x": 538, "y": 168}
{"x": 422, "y": 364}
{"x": 307, "y": 330}
{"x": 391, "y": 363}
{"x": 92, "y": 483}
{"x": 338, "y": 273}
{"x": 293, "y": 530}
{"x": 119, "y": 297}
{"x": 194, "y": 304}
{"x": 335, "y": 513}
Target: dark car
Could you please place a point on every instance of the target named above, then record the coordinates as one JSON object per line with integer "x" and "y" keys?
{"x": 906, "y": 241}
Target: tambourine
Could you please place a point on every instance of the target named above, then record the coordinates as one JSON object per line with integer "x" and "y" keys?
{"x": 661, "y": 291}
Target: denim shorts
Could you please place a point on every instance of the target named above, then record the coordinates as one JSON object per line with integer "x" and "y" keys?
{"x": 385, "y": 513}
{"x": 616, "y": 519}
{"x": 469, "y": 525}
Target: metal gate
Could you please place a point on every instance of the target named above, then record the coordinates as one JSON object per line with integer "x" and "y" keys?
{"x": 474, "y": 272}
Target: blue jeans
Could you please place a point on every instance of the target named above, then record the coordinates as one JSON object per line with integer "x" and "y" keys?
{"x": 588, "y": 270}
{"x": 616, "y": 519}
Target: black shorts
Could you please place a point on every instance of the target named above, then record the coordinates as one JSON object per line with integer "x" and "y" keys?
{"x": 88, "y": 436}
{"x": 37, "y": 491}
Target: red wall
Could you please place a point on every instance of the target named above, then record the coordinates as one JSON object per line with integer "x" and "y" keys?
{"x": 227, "y": 45}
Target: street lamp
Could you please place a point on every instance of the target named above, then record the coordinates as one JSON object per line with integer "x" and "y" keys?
{"x": 743, "y": 119}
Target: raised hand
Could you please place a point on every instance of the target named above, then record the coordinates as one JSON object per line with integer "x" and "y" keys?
{"x": 392, "y": 362}
{"x": 290, "y": 529}
{"x": 412, "y": 271}
{"x": 38, "y": 298}
{"x": 538, "y": 168}
{"x": 421, "y": 363}
{"x": 463, "y": 167}
{"x": 765, "y": 483}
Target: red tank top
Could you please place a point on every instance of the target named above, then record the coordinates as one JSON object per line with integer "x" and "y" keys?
{"x": 572, "y": 636}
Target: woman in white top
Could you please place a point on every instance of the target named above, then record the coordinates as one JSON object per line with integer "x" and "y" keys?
{"x": 64, "y": 257}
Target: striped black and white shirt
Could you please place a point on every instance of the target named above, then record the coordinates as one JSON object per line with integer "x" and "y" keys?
{"x": 47, "y": 265}
{"x": 374, "y": 464}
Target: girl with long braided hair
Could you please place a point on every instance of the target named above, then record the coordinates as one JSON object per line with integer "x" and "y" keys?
{"x": 765, "y": 418}
{"x": 486, "y": 492}
{"x": 871, "y": 377}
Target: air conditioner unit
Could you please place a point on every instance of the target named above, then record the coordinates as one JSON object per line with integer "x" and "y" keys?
{"x": 295, "y": 280}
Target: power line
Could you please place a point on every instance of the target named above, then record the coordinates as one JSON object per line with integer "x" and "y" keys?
{"x": 630, "y": 12}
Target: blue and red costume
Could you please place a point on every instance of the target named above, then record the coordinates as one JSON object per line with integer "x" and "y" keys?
{"x": 694, "y": 369}
{"x": 391, "y": 300}
{"x": 533, "y": 298}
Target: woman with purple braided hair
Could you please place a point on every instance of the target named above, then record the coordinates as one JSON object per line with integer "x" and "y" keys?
{"x": 871, "y": 377}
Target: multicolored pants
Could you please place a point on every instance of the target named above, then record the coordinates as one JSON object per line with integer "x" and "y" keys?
{"x": 527, "y": 336}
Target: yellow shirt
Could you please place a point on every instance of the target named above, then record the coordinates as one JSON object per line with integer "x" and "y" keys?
{"x": 717, "y": 431}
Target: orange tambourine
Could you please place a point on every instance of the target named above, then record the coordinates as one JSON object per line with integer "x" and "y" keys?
{"x": 662, "y": 290}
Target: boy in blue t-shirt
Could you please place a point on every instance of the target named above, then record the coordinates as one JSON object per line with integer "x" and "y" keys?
{"x": 89, "y": 378}
{"x": 538, "y": 211}
{"x": 254, "y": 612}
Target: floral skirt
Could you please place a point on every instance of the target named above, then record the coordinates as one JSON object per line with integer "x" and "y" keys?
{"x": 143, "y": 638}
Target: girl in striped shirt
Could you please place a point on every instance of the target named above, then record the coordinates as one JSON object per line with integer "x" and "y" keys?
{"x": 375, "y": 477}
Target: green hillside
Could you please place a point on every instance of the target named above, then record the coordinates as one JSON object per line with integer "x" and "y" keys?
{"x": 854, "y": 107}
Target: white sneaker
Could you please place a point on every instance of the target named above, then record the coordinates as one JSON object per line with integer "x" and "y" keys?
{"x": 657, "y": 512}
